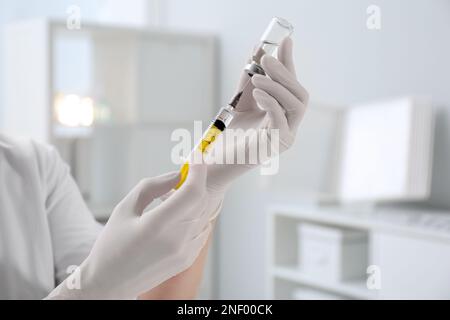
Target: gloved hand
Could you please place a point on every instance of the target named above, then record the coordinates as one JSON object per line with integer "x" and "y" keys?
{"x": 138, "y": 250}
{"x": 274, "y": 102}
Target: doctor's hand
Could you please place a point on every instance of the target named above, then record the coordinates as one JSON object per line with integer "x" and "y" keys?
{"x": 276, "y": 101}
{"x": 138, "y": 250}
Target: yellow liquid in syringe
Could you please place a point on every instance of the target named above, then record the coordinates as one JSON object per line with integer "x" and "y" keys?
{"x": 208, "y": 138}
{"x": 220, "y": 123}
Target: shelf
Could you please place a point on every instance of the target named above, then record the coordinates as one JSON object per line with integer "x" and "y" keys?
{"x": 428, "y": 224}
{"x": 352, "y": 289}
{"x": 419, "y": 238}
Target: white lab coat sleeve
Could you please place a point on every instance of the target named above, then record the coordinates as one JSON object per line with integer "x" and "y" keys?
{"x": 72, "y": 226}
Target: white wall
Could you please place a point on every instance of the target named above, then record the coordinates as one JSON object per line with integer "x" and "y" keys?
{"x": 341, "y": 62}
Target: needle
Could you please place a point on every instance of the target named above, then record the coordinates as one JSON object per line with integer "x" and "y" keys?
{"x": 238, "y": 96}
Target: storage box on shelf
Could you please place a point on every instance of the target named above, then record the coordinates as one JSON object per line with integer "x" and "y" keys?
{"x": 332, "y": 254}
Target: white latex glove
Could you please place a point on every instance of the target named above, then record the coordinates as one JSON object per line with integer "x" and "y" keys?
{"x": 274, "y": 102}
{"x": 138, "y": 250}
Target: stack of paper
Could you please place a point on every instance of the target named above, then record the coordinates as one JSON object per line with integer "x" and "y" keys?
{"x": 387, "y": 151}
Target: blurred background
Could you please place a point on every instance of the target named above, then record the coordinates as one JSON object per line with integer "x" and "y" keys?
{"x": 360, "y": 208}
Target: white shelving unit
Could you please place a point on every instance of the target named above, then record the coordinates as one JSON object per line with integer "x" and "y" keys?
{"x": 351, "y": 289}
{"x": 407, "y": 252}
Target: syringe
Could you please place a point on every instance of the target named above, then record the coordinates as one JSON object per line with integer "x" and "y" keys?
{"x": 277, "y": 30}
{"x": 219, "y": 124}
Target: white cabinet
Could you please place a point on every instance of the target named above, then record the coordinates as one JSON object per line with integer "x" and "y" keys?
{"x": 412, "y": 267}
{"x": 408, "y": 254}
{"x": 139, "y": 76}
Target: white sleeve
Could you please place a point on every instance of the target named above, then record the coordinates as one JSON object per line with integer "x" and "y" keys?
{"x": 72, "y": 226}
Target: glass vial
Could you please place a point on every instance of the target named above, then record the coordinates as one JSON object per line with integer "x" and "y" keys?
{"x": 276, "y": 31}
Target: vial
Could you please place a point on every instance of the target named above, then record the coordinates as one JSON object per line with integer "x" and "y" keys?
{"x": 276, "y": 31}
